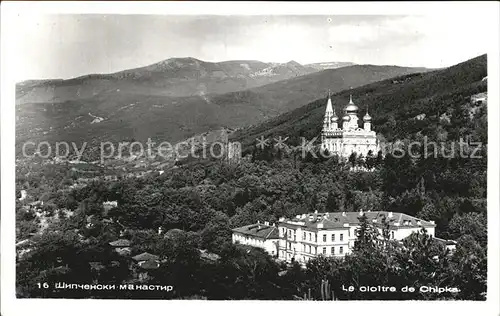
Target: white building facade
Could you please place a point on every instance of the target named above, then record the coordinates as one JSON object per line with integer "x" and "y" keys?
{"x": 334, "y": 234}
{"x": 347, "y": 138}
{"x": 259, "y": 235}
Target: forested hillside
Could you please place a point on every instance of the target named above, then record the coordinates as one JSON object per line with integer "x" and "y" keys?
{"x": 394, "y": 105}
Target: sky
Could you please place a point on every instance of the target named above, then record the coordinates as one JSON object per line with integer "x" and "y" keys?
{"x": 71, "y": 45}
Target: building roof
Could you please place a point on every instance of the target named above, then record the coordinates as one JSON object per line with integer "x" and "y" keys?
{"x": 258, "y": 230}
{"x": 24, "y": 242}
{"x": 346, "y": 219}
{"x": 446, "y": 242}
{"x": 149, "y": 264}
{"x": 204, "y": 254}
{"x": 62, "y": 269}
{"x": 123, "y": 251}
{"x": 120, "y": 243}
{"x": 145, "y": 256}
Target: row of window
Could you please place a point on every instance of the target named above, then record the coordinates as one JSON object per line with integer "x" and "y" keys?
{"x": 341, "y": 237}
{"x": 325, "y": 236}
{"x": 332, "y": 250}
{"x": 309, "y": 249}
{"x": 248, "y": 240}
{"x": 291, "y": 234}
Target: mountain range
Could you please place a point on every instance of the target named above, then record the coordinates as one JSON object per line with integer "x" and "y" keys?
{"x": 170, "y": 77}
{"x": 174, "y": 77}
{"x": 178, "y": 98}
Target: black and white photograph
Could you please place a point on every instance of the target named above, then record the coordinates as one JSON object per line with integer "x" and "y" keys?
{"x": 221, "y": 155}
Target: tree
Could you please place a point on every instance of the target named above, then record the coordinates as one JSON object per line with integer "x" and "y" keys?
{"x": 422, "y": 261}
{"x": 379, "y": 159}
{"x": 472, "y": 224}
{"x": 370, "y": 160}
{"x": 332, "y": 202}
{"x": 360, "y": 161}
{"x": 313, "y": 202}
{"x": 352, "y": 159}
{"x": 469, "y": 267}
{"x": 246, "y": 272}
{"x": 366, "y": 235}
{"x": 216, "y": 233}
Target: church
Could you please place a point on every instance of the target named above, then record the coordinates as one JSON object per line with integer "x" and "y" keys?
{"x": 349, "y": 137}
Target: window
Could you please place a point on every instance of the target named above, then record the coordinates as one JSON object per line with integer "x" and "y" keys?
{"x": 341, "y": 237}
{"x": 349, "y": 233}
{"x": 324, "y": 238}
{"x": 333, "y": 237}
{"x": 341, "y": 250}
{"x": 315, "y": 250}
{"x": 315, "y": 237}
{"x": 289, "y": 246}
{"x": 304, "y": 236}
{"x": 392, "y": 235}
{"x": 294, "y": 237}
{"x": 324, "y": 250}
{"x": 333, "y": 250}
{"x": 310, "y": 236}
{"x": 309, "y": 249}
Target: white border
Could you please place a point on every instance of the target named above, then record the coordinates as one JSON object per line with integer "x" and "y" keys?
{"x": 12, "y": 306}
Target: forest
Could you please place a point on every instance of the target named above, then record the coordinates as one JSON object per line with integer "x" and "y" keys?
{"x": 196, "y": 206}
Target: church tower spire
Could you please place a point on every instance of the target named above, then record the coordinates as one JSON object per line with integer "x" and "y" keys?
{"x": 328, "y": 114}
{"x": 335, "y": 119}
{"x": 329, "y": 108}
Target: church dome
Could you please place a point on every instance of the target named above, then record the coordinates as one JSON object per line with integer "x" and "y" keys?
{"x": 351, "y": 107}
{"x": 346, "y": 118}
{"x": 335, "y": 118}
{"x": 367, "y": 117}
